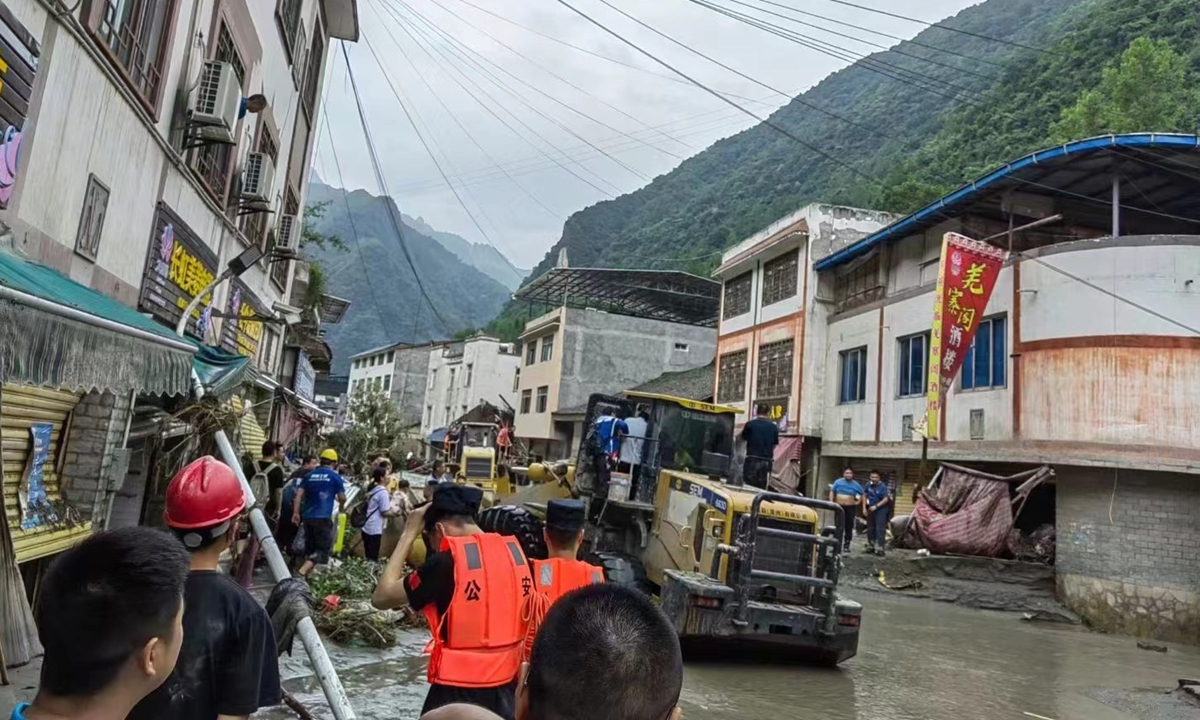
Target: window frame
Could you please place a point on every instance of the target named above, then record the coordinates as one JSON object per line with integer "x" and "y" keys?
{"x": 225, "y": 155}
{"x": 526, "y": 401}
{"x": 726, "y": 378}
{"x": 547, "y": 353}
{"x": 732, "y": 291}
{"x": 289, "y": 39}
{"x": 861, "y": 375}
{"x": 92, "y": 14}
{"x": 542, "y": 404}
{"x": 310, "y": 90}
{"x": 775, "y": 282}
{"x": 968, "y": 360}
{"x": 531, "y": 352}
{"x": 904, "y": 359}
{"x": 777, "y": 389}
{"x": 89, "y": 227}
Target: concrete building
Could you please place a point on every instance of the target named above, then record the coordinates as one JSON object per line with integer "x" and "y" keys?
{"x": 1086, "y": 359}
{"x": 462, "y": 374}
{"x": 400, "y": 371}
{"x": 618, "y": 332}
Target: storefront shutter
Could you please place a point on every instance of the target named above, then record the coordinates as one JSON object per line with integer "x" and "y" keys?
{"x": 20, "y": 407}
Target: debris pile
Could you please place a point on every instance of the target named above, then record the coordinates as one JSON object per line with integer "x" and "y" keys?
{"x": 346, "y": 615}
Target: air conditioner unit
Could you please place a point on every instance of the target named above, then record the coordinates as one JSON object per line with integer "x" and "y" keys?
{"x": 289, "y": 234}
{"x": 216, "y": 101}
{"x": 258, "y": 177}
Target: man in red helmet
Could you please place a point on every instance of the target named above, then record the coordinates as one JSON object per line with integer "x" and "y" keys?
{"x": 228, "y": 666}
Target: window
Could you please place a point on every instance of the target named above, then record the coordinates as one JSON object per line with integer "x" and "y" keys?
{"x": 433, "y": 378}
{"x": 287, "y": 14}
{"x": 914, "y": 365}
{"x": 531, "y": 352}
{"x": 387, "y": 382}
{"x": 378, "y": 384}
{"x": 977, "y": 424}
{"x": 543, "y": 397}
{"x": 906, "y": 428}
{"x": 858, "y": 285}
{"x": 737, "y": 296}
{"x": 779, "y": 278}
{"x": 987, "y": 359}
{"x": 135, "y": 32}
{"x": 547, "y": 348}
{"x": 681, "y": 347}
{"x": 391, "y": 356}
{"x": 526, "y": 401}
{"x": 91, "y": 222}
{"x": 731, "y": 380}
{"x": 312, "y": 73}
{"x": 428, "y": 415}
{"x": 516, "y": 379}
{"x": 853, "y": 387}
{"x": 775, "y": 369}
{"x": 268, "y": 350}
{"x": 470, "y": 375}
{"x": 215, "y": 162}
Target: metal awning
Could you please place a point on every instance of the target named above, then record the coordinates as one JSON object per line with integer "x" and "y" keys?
{"x": 669, "y": 296}
{"x": 333, "y": 309}
{"x": 56, "y": 332}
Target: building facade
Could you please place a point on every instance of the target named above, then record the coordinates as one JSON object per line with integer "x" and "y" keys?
{"x": 399, "y": 371}
{"x": 463, "y": 374}
{"x": 570, "y": 353}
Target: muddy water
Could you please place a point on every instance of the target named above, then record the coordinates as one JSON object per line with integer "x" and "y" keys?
{"x": 917, "y": 661}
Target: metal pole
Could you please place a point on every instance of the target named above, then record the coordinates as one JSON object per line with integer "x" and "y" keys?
{"x": 1116, "y": 206}
{"x": 181, "y": 326}
{"x": 921, "y": 469}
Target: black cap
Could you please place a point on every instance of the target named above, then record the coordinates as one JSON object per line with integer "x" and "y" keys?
{"x": 566, "y": 515}
{"x": 451, "y": 499}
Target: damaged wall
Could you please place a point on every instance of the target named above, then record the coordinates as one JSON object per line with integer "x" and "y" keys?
{"x": 97, "y": 435}
{"x": 1134, "y": 571}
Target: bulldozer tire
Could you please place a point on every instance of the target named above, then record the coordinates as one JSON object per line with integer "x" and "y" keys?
{"x": 621, "y": 569}
{"x": 516, "y": 521}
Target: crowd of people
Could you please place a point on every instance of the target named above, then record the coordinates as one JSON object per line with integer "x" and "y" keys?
{"x": 140, "y": 623}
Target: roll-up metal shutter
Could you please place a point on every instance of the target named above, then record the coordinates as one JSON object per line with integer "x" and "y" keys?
{"x": 20, "y": 408}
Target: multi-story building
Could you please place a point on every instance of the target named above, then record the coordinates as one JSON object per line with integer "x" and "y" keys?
{"x": 463, "y": 374}
{"x": 399, "y": 371}
{"x": 1086, "y": 359}
{"x": 621, "y": 329}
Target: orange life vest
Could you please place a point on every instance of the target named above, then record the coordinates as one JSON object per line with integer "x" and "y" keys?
{"x": 483, "y": 629}
{"x": 551, "y": 580}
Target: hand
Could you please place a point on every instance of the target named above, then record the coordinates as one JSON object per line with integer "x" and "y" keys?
{"x": 416, "y": 521}
{"x": 296, "y": 518}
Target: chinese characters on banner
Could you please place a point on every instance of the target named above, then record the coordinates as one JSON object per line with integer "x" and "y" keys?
{"x": 966, "y": 278}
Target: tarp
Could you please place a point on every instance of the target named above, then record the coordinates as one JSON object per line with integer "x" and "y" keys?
{"x": 438, "y": 436}
{"x": 221, "y": 371}
{"x": 785, "y": 473}
{"x": 967, "y": 514}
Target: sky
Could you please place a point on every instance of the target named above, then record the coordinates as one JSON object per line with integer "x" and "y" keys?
{"x": 527, "y": 130}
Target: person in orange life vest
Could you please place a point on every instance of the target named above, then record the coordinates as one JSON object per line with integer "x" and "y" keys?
{"x": 561, "y": 572}
{"x": 471, "y": 590}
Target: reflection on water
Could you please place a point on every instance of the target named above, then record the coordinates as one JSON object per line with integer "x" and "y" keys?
{"x": 917, "y": 661}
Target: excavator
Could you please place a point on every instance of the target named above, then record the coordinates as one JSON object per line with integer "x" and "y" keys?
{"x": 736, "y": 569}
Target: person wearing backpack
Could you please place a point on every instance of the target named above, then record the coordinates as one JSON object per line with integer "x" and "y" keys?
{"x": 267, "y": 477}
{"x": 377, "y": 505}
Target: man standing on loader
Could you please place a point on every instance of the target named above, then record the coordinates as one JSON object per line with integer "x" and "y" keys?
{"x": 561, "y": 572}
{"x": 471, "y": 591}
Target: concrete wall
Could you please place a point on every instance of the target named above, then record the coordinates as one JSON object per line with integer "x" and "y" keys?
{"x": 1127, "y": 548}
{"x": 97, "y": 431}
{"x": 410, "y": 380}
{"x": 538, "y": 374}
{"x": 483, "y": 369}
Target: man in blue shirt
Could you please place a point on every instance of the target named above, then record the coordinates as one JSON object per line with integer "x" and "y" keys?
{"x": 312, "y": 510}
{"x": 847, "y": 492}
{"x": 610, "y": 429}
{"x": 879, "y": 500}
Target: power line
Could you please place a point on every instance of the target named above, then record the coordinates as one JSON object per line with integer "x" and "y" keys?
{"x": 382, "y": 182}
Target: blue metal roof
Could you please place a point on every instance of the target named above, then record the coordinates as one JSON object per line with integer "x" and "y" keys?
{"x": 929, "y": 214}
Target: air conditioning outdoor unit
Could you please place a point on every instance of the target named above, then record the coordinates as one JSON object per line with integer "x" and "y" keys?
{"x": 289, "y": 234}
{"x": 258, "y": 177}
{"x": 216, "y": 101}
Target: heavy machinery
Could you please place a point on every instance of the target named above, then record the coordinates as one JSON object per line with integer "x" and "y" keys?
{"x": 736, "y": 568}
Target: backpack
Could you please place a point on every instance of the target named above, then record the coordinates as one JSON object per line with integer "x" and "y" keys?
{"x": 260, "y": 484}
{"x": 358, "y": 515}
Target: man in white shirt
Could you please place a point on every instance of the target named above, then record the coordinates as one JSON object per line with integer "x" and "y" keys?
{"x": 634, "y": 443}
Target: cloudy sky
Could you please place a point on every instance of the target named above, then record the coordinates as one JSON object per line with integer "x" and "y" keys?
{"x": 528, "y": 129}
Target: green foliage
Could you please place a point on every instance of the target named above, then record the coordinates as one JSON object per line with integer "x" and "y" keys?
{"x": 312, "y": 238}
{"x": 317, "y": 286}
{"x": 1150, "y": 89}
{"x": 376, "y": 425}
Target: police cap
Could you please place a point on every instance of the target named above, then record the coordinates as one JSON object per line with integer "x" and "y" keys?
{"x": 450, "y": 499}
{"x": 566, "y": 515}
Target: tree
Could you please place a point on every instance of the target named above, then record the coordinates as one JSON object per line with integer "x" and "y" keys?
{"x": 375, "y": 426}
{"x": 313, "y": 238}
{"x": 1150, "y": 89}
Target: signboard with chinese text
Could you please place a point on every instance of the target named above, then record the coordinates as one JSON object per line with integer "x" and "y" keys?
{"x": 305, "y": 380}
{"x": 179, "y": 266}
{"x": 19, "y": 52}
{"x": 776, "y": 411}
{"x": 966, "y": 278}
{"x": 240, "y": 332}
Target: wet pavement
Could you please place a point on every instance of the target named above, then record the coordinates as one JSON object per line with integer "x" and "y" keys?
{"x": 918, "y": 660}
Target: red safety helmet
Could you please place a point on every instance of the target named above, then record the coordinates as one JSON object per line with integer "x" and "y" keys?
{"x": 204, "y": 494}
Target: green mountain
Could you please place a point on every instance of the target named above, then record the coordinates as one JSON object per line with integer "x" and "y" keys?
{"x": 481, "y": 256}
{"x": 373, "y": 274}
{"x": 912, "y": 123}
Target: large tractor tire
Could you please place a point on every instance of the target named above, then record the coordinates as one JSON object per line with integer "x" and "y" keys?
{"x": 516, "y": 521}
{"x": 622, "y": 569}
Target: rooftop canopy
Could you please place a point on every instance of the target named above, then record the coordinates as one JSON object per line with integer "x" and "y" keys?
{"x": 1156, "y": 177}
{"x": 670, "y": 296}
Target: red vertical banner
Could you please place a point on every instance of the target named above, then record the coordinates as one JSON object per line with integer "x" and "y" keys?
{"x": 966, "y": 278}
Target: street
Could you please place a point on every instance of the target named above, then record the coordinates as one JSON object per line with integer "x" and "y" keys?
{"x": 917, "y": 659}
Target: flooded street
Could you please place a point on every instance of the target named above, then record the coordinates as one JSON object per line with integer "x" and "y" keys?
{"x": 918, "y": 660}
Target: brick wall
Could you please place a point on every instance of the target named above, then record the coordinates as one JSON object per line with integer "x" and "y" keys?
{"x": 97, "y": 432}
{"x": 1136, "y": 570}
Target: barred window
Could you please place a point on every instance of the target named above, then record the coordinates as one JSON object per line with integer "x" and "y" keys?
{"x": 775, "y": 369}
{"x": 91, "y": 222}
{"x": 215, "y": 162}
{"x": 779, "y": 278}
{"x": 859, "y": 285}
{"x": 731, "y": 380}
{"x": 737, "y": 296}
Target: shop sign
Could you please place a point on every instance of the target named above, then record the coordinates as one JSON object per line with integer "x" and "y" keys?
{"x": 180, "y": 266}
{"x": 776, "y": 410}
{"x": 242, "y": 333}
{"x": 19, "y": 53}
{"x": 305, "y": 381}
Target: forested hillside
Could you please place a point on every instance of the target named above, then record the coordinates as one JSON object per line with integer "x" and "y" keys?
{"x": 895, "y": 145}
